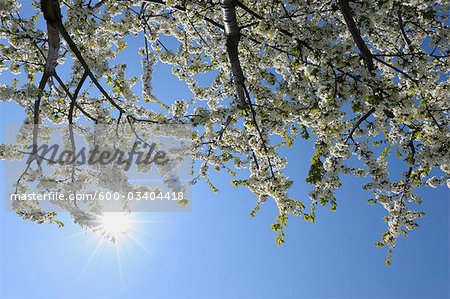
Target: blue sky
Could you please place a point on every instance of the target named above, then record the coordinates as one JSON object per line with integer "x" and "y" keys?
{"x": 218, "y": 251}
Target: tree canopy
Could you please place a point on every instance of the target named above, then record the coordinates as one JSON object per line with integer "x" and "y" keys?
{"x": 368, "y": 81}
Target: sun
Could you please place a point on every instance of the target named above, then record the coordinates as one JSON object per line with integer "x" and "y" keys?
{"x": 114, "y": 225}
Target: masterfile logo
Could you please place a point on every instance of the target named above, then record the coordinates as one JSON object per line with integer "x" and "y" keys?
{"x": 99, "y": 168}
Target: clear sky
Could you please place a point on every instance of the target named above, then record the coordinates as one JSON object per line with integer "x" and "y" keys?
{"x": 218, "y": 251}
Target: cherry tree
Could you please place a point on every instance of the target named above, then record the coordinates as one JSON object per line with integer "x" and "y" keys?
{"x": 366, "y": 80}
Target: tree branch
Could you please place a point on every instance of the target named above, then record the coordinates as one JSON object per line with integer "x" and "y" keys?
{"x": 233, "y": 35}
{"x": 402, "y": 29}
{"x": 83, "y": 62}
{"x": 52, "y": 14}
{"x": 358, "y": 123}
{"x": 74, "y": 97}
{"x": 365, "y": 53}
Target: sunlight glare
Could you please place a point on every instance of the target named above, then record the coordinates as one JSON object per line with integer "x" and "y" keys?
{"x": 114, "y": 224}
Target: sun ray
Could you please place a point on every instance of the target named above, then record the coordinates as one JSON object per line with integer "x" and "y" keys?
{"x": 140, "y": 245}
{"x": 119, "y": 265}
{"x": 91, "y": 257}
